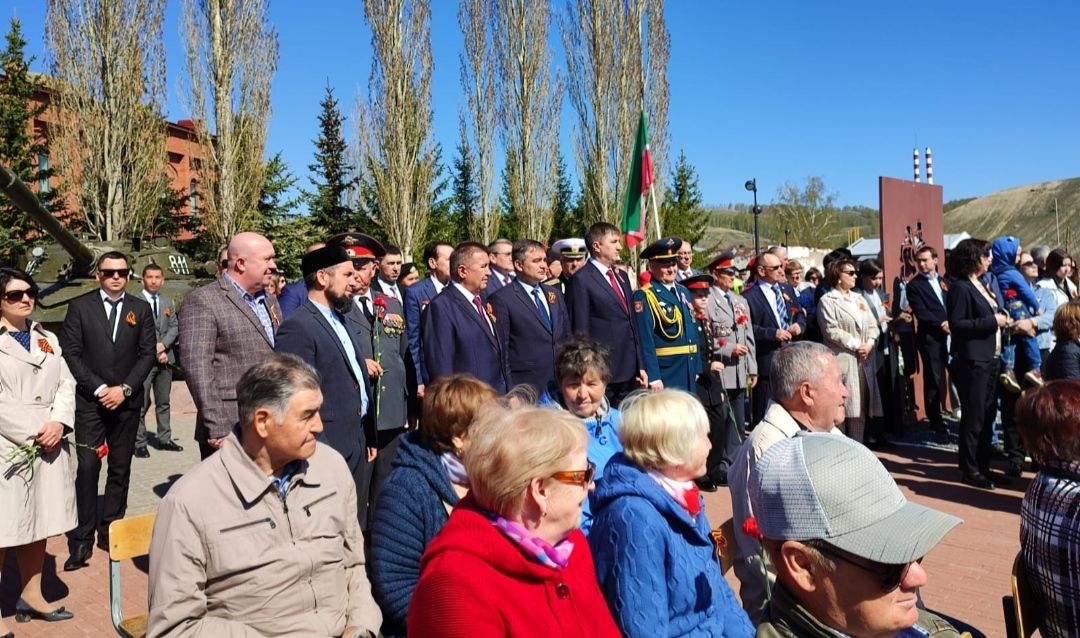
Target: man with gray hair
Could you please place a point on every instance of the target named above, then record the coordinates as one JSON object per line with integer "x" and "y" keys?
{"x": 1039, "y": 254}
{"x": 808, "y": 394}
{"x": 848, "y": 561}
{"x": 262, "y": 539}
{"x": 501, "y": 254}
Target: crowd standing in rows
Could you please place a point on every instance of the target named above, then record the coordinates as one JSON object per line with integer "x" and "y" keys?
{"x": 372, "y": 463}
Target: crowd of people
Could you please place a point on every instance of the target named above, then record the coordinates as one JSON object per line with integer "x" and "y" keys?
{"x": 516, "y": 443}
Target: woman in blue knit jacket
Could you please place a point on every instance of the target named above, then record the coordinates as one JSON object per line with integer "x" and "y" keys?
{"x": 425, "y": 483}
{"x": 654, "y": 556}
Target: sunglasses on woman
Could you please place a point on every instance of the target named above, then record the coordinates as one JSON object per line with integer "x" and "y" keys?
{"x": 15, "y": 296}
{"x": 577, "y": 477}
{"x": 889, "y": 575}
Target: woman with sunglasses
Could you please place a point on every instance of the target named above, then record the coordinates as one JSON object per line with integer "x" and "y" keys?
{"x": 850, "y": 329}
{"x": 511, "y": 560}
{"x": 37, "y": 407}
{"x": 654, "y": 554}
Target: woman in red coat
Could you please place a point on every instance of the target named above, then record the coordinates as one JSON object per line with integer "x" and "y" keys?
{"x": 511, "y": 560}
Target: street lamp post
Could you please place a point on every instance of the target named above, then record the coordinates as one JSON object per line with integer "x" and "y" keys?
{"x": 751, "y": 185}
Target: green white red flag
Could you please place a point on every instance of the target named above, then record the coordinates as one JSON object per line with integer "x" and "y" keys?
{"x": 637, "y": 188}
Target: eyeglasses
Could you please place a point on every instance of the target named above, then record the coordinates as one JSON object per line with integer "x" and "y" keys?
{"x": 577, "y": 477}
{"x": 15, "y": 296}
{"x": 109, "y": 273}
{"x": 1026, "y": 264}
{"x": 771, "y": 268}
{"x": 889, "y": 575}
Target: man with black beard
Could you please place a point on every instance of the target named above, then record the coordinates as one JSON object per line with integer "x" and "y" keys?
{"x": 318, "y": 334}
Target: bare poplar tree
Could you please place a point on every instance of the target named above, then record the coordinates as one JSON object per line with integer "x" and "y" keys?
{"x": 232, "y": 53}
{"x": 530, "y": 96}
{"x": 478, "y": 82}
{"x": 109, "y": 135}
{"x": 614, "y": 71}
{"x": 395, "y": 121}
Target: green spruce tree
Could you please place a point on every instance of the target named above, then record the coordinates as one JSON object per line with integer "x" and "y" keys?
{"x": 289, "y": 232}
{"x": 450, "y": 217}
{"x": 567, "y": 219}
{"x": 682, "y": 214}
{"x": 21, "y": 149}
{"x": 332, "y": 175}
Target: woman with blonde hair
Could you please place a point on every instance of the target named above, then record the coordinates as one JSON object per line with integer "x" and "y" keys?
{"x": 511, "y": 561}
{"x": 1064, "y": 359}
{"x": 654, "y": 553}
{"x": 426, "y": 482}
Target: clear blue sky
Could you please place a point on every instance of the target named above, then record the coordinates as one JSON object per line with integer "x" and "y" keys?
{"x": 767, "y": 89}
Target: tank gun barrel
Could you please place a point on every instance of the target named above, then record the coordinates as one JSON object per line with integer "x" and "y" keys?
{"x": 22, "y": 197}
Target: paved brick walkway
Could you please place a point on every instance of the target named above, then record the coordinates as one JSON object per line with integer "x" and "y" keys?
{"x": 968, "y": 572}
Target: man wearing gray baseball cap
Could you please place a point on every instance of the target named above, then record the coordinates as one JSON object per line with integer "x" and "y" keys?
{"x": 847, "y": 546}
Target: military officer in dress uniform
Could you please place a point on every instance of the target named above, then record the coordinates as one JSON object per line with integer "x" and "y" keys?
{"x": 730, "y": 316}
{"x": 669, "y": 336}
{"x": 571, "y": 259}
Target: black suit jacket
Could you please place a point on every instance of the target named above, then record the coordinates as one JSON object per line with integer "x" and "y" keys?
{"x": 95, "y": 359}
{"x": 528, "y": 345}
{"x": 308, "y": 335}
{"x": 1064, "y": 361}
{"x": 971, "y": 322}
{"x": 596, "y": 312}
{"x": 924, "y": 302}
{"x": 764, "y": 323}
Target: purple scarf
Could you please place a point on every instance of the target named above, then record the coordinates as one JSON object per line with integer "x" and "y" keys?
{"x": 543, "y": 552}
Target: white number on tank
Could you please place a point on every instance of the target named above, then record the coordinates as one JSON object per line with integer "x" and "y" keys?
{"x": 178, "y": 264}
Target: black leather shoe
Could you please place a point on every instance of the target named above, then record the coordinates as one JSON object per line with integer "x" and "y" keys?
{"x": 1014, "y": 471}
{"x": 142, "y": 453}
{"x": 170, "y": 446}
{"x": 80, "y": 554}
{"x": 998, "y": 478}
{"x": 705, "y": 485}
{"x": 24, "y": 613}
{"x": 978, "y": 480}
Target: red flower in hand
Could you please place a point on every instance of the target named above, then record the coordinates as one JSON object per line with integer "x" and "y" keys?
{"x": 380, "y": 302}
{"x": 102, "y": 450}
{"x": 750, "y": 528}
{"x": 1010, "y": 293}
{"x": 741, "y": 319}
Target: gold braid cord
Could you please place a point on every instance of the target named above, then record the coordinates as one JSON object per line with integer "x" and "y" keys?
{"x": 667, "y": 319}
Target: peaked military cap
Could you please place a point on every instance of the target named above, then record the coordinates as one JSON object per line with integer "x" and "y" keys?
{"x": 358, "y": 245}
{"x": 663, "y": 249}
{"x": 570, "y": 248}
{"x": 698, "y": 282}
{"x": 724, "y": 261}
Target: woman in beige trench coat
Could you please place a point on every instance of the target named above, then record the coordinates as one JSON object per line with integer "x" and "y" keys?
{"x": 850, "y": 330}
{"x": 37, "y": 405}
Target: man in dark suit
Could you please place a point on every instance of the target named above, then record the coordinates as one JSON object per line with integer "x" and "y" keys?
{"x": 458, "y": 329}
{"x": 294, "y": 295}
{"x": 501, "y": 262}
{"x": 927, "y": 294}
{"x": 531, "y": 320}
{"x": 379, "y": 323}
{"x": 318, "y": 334}
{"x": 777, "y": 319}
{"x": 226, "y": 327}
{"x": 158, "y": 384}
{"x": 599, "y": 299}
{"x": 417, "y": 298}
{"x": 686, "y": 258}
{"x": 389, "y": 271}
{"x": 108, "y": 341}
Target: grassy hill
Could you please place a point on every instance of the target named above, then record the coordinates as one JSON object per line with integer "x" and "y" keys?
{"x": 1025, "y": 211}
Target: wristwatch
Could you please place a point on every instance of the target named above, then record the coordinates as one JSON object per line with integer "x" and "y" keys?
{"x": 126, "y": 388}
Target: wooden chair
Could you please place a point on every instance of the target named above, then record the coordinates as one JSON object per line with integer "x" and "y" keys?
{"x": 1022, "y": 609}
{"x": 128, "y": 538}
{"x": 724, "y": 541}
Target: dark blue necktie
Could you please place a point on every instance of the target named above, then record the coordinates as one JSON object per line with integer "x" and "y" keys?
{"x": 541, "y": 307}
{"x": 781, "y": 307}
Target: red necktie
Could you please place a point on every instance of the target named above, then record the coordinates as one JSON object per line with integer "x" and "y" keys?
{"x": 618, "y": 289}
{"x": 480, "y": 309}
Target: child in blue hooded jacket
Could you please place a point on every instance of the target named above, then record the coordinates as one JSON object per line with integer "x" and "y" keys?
{"x": 1020, "y": 302}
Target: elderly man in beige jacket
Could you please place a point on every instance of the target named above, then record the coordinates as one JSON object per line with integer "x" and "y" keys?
{"x": 808, "y": 394}
{"x": 261, "y": 539}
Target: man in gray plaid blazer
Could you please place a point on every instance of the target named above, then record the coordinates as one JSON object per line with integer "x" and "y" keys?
{"x": 225, "y": 328}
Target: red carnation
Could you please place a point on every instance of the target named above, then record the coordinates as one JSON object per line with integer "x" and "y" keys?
{"x": 750, "y": 528}
{"x": 741, "y": 319}
{"x": 380, "y": 302}
{"x": 1010, "y": 293}
{"x": 102, "y": 450}
{"x": 721, "y": 342}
